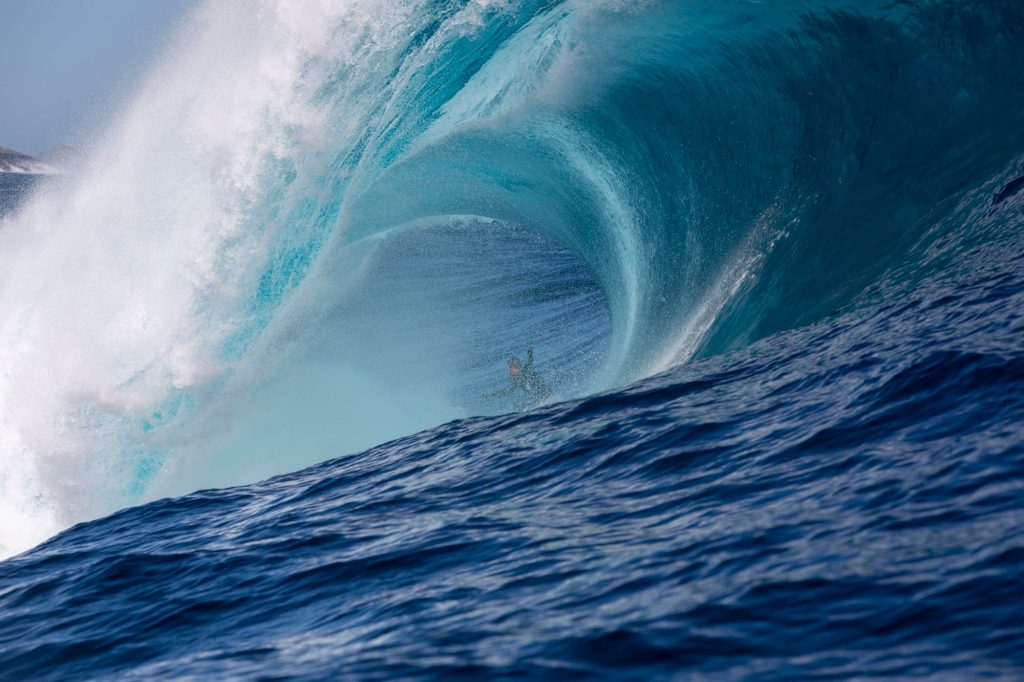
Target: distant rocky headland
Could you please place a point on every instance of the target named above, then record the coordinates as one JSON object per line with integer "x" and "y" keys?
{"x": 58, "y": 160}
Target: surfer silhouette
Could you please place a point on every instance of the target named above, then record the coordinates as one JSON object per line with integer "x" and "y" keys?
{"x": 526, "y": 379}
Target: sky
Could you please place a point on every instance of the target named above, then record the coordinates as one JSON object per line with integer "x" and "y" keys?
{"x": 66, "y": 64}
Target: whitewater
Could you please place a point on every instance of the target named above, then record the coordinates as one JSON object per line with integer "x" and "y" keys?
{"x": 769, "y": 256}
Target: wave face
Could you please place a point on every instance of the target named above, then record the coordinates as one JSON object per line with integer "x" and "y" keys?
{"x": 768, "y": 257}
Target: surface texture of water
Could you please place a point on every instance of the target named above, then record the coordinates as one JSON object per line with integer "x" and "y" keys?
{"x": 771, "y": 257}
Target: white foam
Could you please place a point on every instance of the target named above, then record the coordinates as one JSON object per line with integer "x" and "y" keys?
{"x": 117, "y": 296}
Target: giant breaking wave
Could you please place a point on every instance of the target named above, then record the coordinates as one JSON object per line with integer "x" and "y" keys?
{"x": 319, "y": 226}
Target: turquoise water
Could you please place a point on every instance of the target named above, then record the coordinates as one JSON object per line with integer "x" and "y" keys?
{"x": 768, "y": 256}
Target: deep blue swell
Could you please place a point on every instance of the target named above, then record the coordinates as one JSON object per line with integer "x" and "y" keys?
{"x": 834, "y": 488}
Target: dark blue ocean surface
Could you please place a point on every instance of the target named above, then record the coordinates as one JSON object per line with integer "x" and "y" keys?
{"x": 770, "y": 258}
